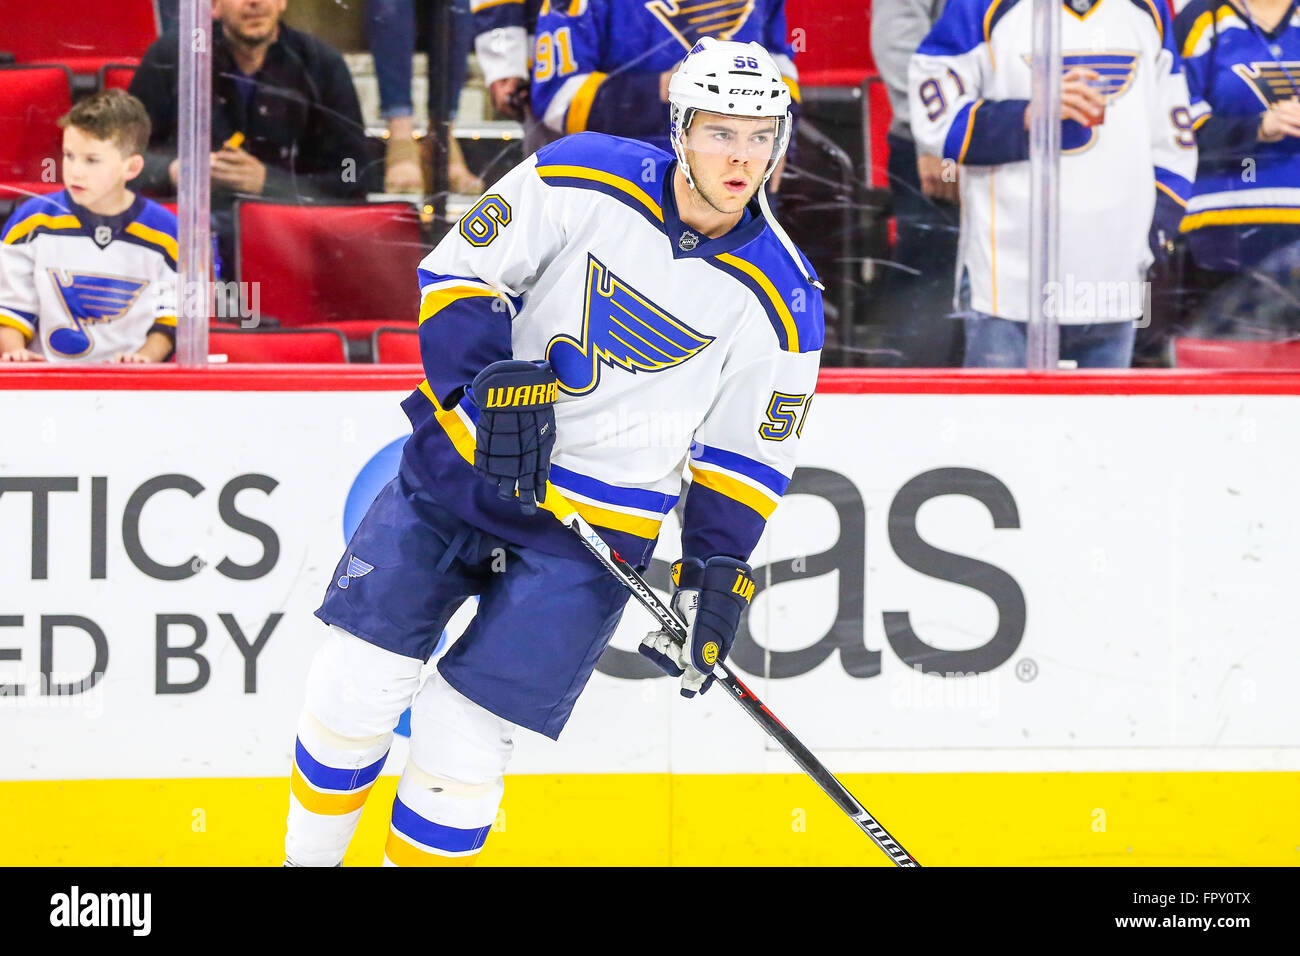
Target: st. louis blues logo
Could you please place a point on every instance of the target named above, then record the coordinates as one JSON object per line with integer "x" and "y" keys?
{"x": 1116, "y": 69}
{"x": 356, "y": 569}
{"x": 623, "y": 329}
{"x": 1270, "y": 81}
{"x": 688, "y": 20}
{"x": 88, "y": 299}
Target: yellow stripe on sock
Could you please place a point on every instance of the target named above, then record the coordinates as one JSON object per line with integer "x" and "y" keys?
{"x": 405, "y": 854}
{"x": 327, "y": 804}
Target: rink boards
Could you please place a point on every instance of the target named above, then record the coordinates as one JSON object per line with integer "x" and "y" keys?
{"x": 1024, "y": 626}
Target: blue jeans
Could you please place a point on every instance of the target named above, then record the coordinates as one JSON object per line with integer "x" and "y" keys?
{"x": 390, "y": 26}
{"x": 992, "y": 342}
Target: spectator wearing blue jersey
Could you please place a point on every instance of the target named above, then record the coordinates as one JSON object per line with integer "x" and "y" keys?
{"x": 603, "y": 65}
{"x": 1243, "y": 60}
{"x": 88, "y": 273}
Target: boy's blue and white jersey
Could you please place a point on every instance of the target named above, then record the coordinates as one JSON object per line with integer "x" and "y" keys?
{"x": 671, "y": 350}
{"x": 969, "y": 85}
{"x": 1241, "y": 183}
{"x": 597, "y": 63}
{"x": 83, "y": 287}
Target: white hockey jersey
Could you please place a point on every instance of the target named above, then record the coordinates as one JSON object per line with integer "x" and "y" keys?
{"x": 83, "y": 287}
{"x": 670, "y": 349}
{"x": 969, "y": 85}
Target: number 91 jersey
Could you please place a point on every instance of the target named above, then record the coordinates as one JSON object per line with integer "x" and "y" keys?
{"x": 671, "y": 349}
{"x": 969, "y": 86}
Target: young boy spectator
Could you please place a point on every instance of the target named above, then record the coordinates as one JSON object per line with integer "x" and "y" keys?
{"x": 89, "y": 273}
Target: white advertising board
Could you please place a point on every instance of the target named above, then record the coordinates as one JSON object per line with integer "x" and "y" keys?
{"x": 954, "y": 582}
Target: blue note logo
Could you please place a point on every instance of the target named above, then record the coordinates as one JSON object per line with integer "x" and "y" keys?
{"x": 623, "y": 329}
{"x": 356, "y": 569}
{"x": 688, "y": 20}
{"x": 1269, "y": 80}
{"x": 89, "y": 299}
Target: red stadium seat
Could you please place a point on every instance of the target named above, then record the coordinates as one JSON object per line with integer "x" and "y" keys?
{"x": 279, "y": 345}
{"x": 116, "y": 76}
{"x": 80, "y": 36}
{"x": 832, "y": 41}
{"x": 32, "y": 98}
{"x": 350, "y": 266}
{"x": 1223, "y": 355}
{"x": 396, "y": 346}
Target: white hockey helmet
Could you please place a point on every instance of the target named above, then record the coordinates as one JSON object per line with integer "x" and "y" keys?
{"x": 733, "y": 79}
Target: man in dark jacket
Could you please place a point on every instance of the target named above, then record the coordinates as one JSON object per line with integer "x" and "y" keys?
{"x": 285, "y": 117}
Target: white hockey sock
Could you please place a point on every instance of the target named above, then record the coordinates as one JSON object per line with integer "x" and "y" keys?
{"x": 448, "y": 796}
{"x": 331, "y": 778}
{"x": 355, "y": 694}
{"x": 440, "y": 822}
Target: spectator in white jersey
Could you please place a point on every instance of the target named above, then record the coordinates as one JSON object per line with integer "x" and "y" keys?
{"x": 920, "y": 330}
{"x": 1127, "y": 158}
{"x": 88, "y": 273}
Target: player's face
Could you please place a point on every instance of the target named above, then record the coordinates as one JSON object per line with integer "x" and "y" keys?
{"x": 728, "y": 156}
{"x": 249, "y": 21}
{"x": 95, "y": 169}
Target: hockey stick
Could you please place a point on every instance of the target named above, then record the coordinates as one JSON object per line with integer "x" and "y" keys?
{"x": 558, "y": 505}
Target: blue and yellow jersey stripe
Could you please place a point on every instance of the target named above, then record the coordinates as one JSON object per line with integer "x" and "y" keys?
{"x": 624, "y": 190}
{"x": 591, "y": 498}
{"x": 41, "y": 222}
{"x": 579, "y": 112}
{"x": 24, "y": 322}
{"x": 783, "y": 322}
{"x": 742, "y": 479}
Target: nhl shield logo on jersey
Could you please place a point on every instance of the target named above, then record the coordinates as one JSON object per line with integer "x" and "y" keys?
{"x": 623, "y": 329}
{"x": 688, "y": 20}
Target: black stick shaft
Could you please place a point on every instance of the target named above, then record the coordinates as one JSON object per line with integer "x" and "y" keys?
{"x": 801, "y": 755}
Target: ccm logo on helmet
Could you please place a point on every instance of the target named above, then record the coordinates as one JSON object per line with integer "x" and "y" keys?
{"x": 745, "y": 92}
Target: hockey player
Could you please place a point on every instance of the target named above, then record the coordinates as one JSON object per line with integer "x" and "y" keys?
{"x": 604, "y": 64}
{"x": 606, "y": 315}
{"x": 88, "y": 273}
{"x": 1127, "y": 158}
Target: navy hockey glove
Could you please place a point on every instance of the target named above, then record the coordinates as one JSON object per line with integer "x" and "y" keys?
{"x": 710, "y": 597}
{"x": 516, "y": 428}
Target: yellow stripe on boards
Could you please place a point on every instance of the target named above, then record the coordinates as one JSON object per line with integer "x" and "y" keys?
{"x": 735, "y": 490}
{"x": 791, "y": 331}
{"x": 328, "y": 804}
{"x": 404, "y": 854}
{"x": 948, "y": 819}
{"x": 600, "y": 176}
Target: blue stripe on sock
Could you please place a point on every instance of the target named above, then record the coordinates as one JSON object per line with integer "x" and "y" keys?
{"x": 332, "y": 778}
{"x": 450, "y": 839}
